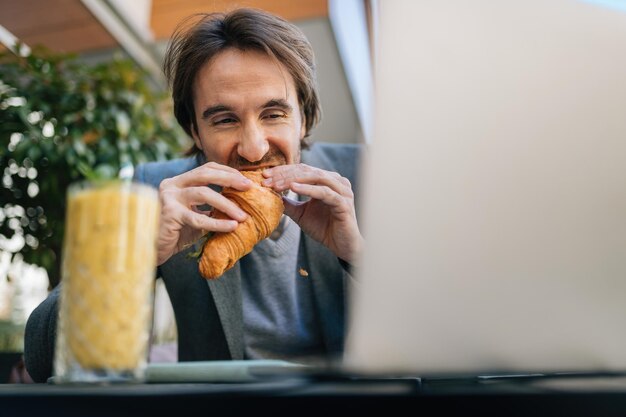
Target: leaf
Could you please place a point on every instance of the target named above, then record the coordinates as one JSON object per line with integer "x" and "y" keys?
{"x": 199, "y": 246}
{"x": 86, "y": 171}
{"x": 122, "y": 122}
{"x": 34, "y": 153}
{"x": 105, "y": 171}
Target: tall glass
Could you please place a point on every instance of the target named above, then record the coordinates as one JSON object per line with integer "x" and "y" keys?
{"x": 109, "y": 261}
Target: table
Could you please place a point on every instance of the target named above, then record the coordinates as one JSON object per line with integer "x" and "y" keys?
{"x": 323, "y": 396}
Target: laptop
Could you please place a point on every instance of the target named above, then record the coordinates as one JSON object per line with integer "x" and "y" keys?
{"x": 495, "y": 191}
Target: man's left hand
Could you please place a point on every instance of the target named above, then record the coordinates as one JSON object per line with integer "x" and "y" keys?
{"x": 329, "y": 215}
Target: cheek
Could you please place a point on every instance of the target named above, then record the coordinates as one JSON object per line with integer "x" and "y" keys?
{"x": 217, "y": 150}
{"x": 288, "y": 142}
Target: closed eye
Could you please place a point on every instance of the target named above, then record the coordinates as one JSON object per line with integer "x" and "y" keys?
{"x": 278, "y": 115}
{"x": 224, "y": 121}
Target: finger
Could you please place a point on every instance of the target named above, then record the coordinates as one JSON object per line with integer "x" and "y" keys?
{"x": 204, "y": 195}
{"x": 323, "y": 193}
{"x": 215, "y": 165}
{"x": 206, "y": 223}
{"x": 280, "y": 178}
{"x": 213, "y": 173}
{"x": 293, "y": 208}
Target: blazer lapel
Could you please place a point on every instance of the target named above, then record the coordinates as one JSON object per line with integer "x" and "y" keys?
{"x": 226, "y": 292}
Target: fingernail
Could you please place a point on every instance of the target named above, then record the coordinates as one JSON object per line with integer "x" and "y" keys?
{"x": 267, "y": 182}
{"x": 246, "y": 181}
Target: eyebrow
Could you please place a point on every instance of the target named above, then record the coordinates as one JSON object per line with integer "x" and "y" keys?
{"x": 210, "y": 111}
{"x": 278, "y": 102}
{"x": 275, "y": 102}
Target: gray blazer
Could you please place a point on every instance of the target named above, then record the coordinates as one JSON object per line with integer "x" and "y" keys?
{"x": 209, "y": 318}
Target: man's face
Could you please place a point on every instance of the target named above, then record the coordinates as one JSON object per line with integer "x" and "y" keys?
{"x": 247, "y": 111}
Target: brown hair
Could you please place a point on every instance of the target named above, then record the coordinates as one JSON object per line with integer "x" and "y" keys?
{"x": 202, "y": 36}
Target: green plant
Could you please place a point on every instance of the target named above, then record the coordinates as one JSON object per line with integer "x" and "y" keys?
{"x": 63, "y": 121}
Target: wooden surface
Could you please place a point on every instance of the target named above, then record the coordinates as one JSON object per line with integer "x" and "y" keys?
{"x": 61, "y": 25}
{"x": 166, "y": 14}
{"x": 68, "y": 26}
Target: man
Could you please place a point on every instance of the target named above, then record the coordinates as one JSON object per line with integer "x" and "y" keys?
{"x": 244, "y": 89}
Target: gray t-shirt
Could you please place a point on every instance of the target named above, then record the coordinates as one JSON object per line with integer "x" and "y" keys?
{"x": 278, "y": 301}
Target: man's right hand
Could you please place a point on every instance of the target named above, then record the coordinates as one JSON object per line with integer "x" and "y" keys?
{"x": 181, "y": 222}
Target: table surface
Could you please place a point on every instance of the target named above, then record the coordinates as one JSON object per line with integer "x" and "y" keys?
{"x": 323, "y": 395}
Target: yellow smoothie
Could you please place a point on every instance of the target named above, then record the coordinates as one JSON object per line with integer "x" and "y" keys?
{"x": 109, "y": 260}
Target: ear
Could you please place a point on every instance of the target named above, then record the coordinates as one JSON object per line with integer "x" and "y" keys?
{"x": 303, "y": 128}
{"x": 196, "y": 138}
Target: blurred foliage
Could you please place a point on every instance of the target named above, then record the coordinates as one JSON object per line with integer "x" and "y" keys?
{"x": 11, "y": 337}
{"x": 62, "y": 121}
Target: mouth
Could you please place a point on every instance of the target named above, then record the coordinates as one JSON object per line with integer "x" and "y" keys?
{"x": 256, "y": 167}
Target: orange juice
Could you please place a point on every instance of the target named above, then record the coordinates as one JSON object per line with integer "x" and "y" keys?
{"x": 109, "y": 261}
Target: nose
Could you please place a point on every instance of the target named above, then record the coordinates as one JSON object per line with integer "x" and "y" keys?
{"x": 253, "y": 144}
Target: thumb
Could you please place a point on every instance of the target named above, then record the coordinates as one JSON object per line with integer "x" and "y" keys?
{"x": 293, "y": 208}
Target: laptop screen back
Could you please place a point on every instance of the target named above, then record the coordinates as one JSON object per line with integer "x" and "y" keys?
{"x": 495, "y": 205}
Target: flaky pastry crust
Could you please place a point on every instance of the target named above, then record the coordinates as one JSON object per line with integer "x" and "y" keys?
{"x": 264, "y": 207}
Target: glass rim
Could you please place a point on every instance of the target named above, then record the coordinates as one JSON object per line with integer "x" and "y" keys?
{"x": 123, "y": 185}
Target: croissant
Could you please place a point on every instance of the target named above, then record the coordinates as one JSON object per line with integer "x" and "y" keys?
{"x": 264, "y": 207}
